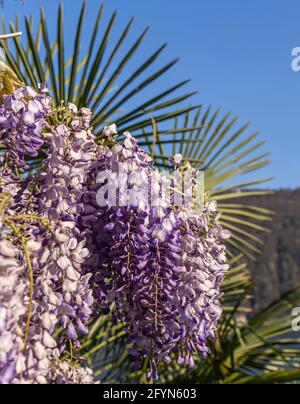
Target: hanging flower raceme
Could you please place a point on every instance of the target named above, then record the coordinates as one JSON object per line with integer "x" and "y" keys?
{"x": 63, "y": 176}
{"x": 42, "y": 284}
{"x": 33, "y": 295}
{"x": 160, "y": 267}
{"x": 97, "y": 224}
{"x": 28, "y": 297}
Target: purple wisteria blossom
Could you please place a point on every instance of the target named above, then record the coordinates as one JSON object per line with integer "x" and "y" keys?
{"x": 66, "y": 373}
{"x": 35, "y": 295}
{"x": 69, "y": 252}
{"x": 22, "y": 120}
{"x": 63, "y": 177}
{"x": 160, "y": 268}
{"x": 42, "y": 284}
{"x": 12, "y": 308}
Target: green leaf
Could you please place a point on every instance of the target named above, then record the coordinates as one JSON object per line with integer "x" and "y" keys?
{"x": 88, "y": 78}
{"x": 61, "y": 53}
{"x": 99, "y": 56}
{"x": 33, "y": 50}
{"x": 49, "y": 59}
{"x": 76, "y": 52}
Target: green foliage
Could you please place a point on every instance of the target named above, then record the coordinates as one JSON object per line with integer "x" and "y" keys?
{"x": 89, "y": 79}
{"x": 260, "y": 350}
{"x": 163, "y": 123}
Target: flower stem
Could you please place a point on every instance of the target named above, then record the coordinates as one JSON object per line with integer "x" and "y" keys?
{"x": 12, "y": 35}
{"x": 4, "y": 202}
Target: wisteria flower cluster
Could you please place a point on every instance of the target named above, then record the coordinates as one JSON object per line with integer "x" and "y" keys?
{"x": 66, "y": 258}
{"x": 160, "y": 267}
{"x": 21, "y": 123}
{"x": 43, "y": 286}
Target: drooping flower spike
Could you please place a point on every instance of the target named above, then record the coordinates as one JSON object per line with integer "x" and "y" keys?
{"x": 161, "y": 267}
{"x": 43, "y": 283}
{"x": 95, "y": 229}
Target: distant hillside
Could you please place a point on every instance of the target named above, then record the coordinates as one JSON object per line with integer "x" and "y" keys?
{"x": 278, "y": 268}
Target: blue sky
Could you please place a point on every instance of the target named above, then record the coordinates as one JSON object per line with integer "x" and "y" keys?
{"x": 237, "y": 53}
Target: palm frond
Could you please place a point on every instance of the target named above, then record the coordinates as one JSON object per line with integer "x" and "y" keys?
{"x": 91, "y": 83}
{"x": 261, "y": 350}
{"x": 205, "y": 138}
{"x": 224, "y": 153}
